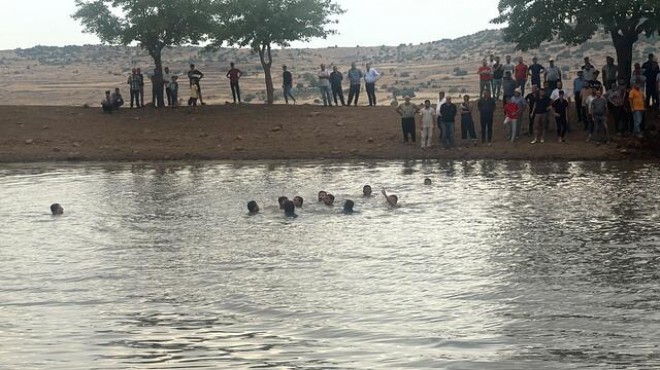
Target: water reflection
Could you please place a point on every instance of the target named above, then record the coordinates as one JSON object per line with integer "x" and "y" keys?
{"x": 498, "y": 265}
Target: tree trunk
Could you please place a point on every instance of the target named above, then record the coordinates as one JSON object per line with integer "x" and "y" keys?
{"x": 157, "y": 80}
{"x": 624, "y": 53}
{"x": 266, "y": 62}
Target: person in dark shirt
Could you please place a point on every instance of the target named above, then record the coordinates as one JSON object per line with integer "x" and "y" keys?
{"x": 157, "y": 97}
{"x": 234, "y": 75}
{"x": 531, "y": 99}
{"x": 448, "y": 113}
{"x": 650, "y": 70}
{"x": 560, "y": 108}
{"x": 287, "y": 85}
{"x": 498, "y": 75}
{"x": 594, "y": 84}
{"x": 486, "y": 108}
{"x": 140, "y": 77}
{"x": 535, "y": 71}
{"x": 290, "y": 209}
{"x": 195, "y": 76}
{"x": 335, "y": 82}
{"x": 541, "y": 108}
{"x": 117, "y": 99}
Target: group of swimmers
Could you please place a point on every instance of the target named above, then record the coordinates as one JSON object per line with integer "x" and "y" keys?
{"x": 289, "y": 206}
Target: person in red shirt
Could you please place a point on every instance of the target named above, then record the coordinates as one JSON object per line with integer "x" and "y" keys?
{"x": 485, "y": 78}
{"x": 234, "y": 75}
{"x": 512, "y": 113}
{"x": 521, "y": 75}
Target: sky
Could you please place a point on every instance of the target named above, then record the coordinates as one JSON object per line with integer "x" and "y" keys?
{"x": 366, "y": 23}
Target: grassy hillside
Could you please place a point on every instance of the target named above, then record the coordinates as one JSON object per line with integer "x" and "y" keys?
{"x": 76, "y": 75}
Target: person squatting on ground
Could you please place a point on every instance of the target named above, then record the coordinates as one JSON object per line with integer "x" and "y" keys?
{"x": 287, "y": 85}
{"x": 467, "y": 123}
{"x": 106, "y": 103}
{"x": 428, "y": 121}
{"x": 370, "y": 78}
{"x": 234, "y": 74}
{"x": 335, "y": 83}
{"x": 407, "y": 111}
{"x": 324, "y": 86}
{"x": 117, "y": 99}
{"x": 448, "y": 120}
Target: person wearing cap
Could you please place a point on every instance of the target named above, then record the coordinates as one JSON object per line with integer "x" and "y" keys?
{"x": 610, "y": 73}
{"x": 134, "y": 88}
{"x": 578, "y": 85}
{"x": 560, "y": 111}
{"x": 521, "y": 71}
{"x": 407, "y": 111}
{"x": 335, "y": 81}
{"x": 535, "y": 72}
{"x": 588, "y": 69}
{"x": 552, "y": 75}
{"x": 287, "y": 85}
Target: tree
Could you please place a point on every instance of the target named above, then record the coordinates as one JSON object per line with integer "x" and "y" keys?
{"x": 260, "y": 24}
{"x": 575, "y": 21}
{"x": 154, "y": 24}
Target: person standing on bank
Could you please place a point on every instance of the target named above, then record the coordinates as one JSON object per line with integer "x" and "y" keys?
{"x": 407, "y": 111}
{"x": 195, "y": 76}
{"x": 485, "y": 78}
{"x": 134, "y": 87}
{"x": 354, "y": 77}
{"x": 370, "y": 78}
{"x": 157, "y": 82}
{"x": 141, "y": 81}
{"x": 535, "y": 72}
{"x": 335, "y": 81}
{"x": 486, "y": 106}
{"x": 287, "y": 85}
{"x": 448, "y": 121}
{"x": 578, "y": 85}
{"x": 552, "y": 75}
{"x": 324, "y": 86}
{"x": 438, "y": 112}
{"x": 234, "y": 75}
{"x": 521, "y": 70}
{"x": 560, "y": 109}
{"x": 428, "y": 120}
{"x": 541, "y": 120}
{"x": 167, "y": 79}
{"x": 467, "y": 123}
{"x": 498, "y": 75}
{"x": 610, "y": 73}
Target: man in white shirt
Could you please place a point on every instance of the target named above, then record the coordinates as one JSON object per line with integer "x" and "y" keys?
{"x": 428, "y": 117}
{"x": 324, "y": 86}
{"x": 555, "y": 93}
{"x": 441, "y": 101}
{"x": 167, "y": 79}
{"x": 509, "y": 66}
{"x": 552, "y": 75}
{"x": 370, "y": 78}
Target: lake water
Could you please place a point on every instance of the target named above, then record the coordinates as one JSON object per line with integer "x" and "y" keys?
{"x": 497, "y": 265}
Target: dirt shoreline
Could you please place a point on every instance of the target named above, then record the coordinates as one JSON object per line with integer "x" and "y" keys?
{"x": 256, "y": 132}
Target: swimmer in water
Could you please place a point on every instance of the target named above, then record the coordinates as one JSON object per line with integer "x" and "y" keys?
{"x": 392, "y": 200}
{"x": 298, "y": 201}
{"x": 366, "y": 191}
{"x": 321, "y": 196}
{"x": 56, "y": 209}
{"x": 348, "y": 207}
{"x": 427, "y": 181}
{"x": 281, "y": 201}
{"x": 290, "y": 209}
{"x": 329, "y": 200}
{"x": 253, "y": 207}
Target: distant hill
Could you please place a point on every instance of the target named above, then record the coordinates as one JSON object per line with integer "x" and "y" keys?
{"x": 76, "y": 75}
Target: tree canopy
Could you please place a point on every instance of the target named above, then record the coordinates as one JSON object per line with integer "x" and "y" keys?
{"x": 260, "y": 24}
{"x": 154, "y": 24}
{"x": 530, "y": 22}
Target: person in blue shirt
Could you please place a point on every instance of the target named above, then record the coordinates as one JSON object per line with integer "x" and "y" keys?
{"x": 354, "y": 77}
{"x": 578, "y": 85}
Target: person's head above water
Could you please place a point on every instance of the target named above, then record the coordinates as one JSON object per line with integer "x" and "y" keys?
{"x": 366, "y": 190}
{"x": 392, "y": 200}
{"x": 348, "y": 206}
{"x": 281, "y": 201}
{"x": 56, "y": 209}
{"x": 298, "y": 201}
{"x": 289, "y": 209}
{"x": 253, "y": 207}
{"x": 321, "y": 195}
{"x": 329, "y": 200}
{"x": 427, "y": 181}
